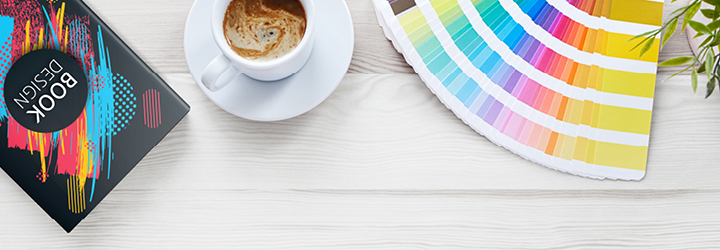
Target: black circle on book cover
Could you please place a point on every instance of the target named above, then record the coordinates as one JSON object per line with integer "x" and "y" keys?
{"x": 45, "y": 90}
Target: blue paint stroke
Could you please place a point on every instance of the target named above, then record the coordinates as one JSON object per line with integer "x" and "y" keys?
{"x": 100, "y": 107}
{"x": 49, "y": 21}
{"x": 7, "y": 24}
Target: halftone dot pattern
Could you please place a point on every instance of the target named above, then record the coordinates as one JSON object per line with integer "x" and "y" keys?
{"x": 5, "y": 62}
{"x": 6, "y": 29}
{"x": 125, "y": 103}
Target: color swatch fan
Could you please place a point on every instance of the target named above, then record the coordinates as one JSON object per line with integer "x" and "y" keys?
{"x": 554, "y": 81}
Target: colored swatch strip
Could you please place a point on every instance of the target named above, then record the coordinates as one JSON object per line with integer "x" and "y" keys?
{"x": 575, "y": 34}
{"x": 506, "y": 84}
{"x": 502, "y": 23}
{"x": 553, "y": 62}
{"x": 623, "y": 10}
{"x": 563, "y": 105}
{"x": 563, "y": 72}
{"x": 513, "y": 81}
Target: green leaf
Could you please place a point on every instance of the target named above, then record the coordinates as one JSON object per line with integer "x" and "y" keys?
{"x": 644, "y": 41}
{"x": 709, "y": 62}
{"x": 709, "y": 13}
{"x": 699, "y": 27}
{"x": 714, "y": 25}
{"x": 676, "y": 61}
{"x": 715, "y": 41}
{"x": 645, "y": 34}
{"x": 691, "y": 11}
{"x": 713, "y": 2}
{"x": 701, "y": 69}
{"x": 710, "y": 87}
{"x": 693, "y": 80}
{"x": 669, "y": 32}
{"x": 646, "y": 48}
{"x": 707, "y": 40}
{"x": 679, "y": 72}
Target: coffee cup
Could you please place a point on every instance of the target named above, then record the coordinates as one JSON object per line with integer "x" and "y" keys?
{"x": 263, "y": 69}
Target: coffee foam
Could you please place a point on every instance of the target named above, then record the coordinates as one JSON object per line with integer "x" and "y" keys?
{"x": 263, "y": 30}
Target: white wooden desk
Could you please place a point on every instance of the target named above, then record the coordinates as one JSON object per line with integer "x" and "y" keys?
{"x": 381, "y": 164}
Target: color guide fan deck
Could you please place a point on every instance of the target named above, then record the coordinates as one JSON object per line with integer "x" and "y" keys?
{"x": 554, "y": 81}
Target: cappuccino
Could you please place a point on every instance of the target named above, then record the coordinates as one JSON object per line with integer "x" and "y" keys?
{"x": 263, "y": 30}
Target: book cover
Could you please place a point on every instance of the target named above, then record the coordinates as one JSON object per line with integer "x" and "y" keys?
{"x": 79, "y": 109}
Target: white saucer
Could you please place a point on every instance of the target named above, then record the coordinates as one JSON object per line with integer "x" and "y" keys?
{"x": 286, "y": 98}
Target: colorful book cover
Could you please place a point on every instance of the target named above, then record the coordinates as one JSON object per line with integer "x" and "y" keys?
{"x": 79, "y": 108}
{"x": 554, "y": 81}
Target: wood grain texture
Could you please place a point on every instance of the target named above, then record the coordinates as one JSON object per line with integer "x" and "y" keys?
{"x": 381, "y": 164}
{"x": 677, "y": 45}
{"x": 390, "y": 132}
{"x": 157, "y": 38}
{"x": 383, "y": 219}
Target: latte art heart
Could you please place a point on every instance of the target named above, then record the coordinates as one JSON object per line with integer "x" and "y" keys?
{"x": 264, "y": 30}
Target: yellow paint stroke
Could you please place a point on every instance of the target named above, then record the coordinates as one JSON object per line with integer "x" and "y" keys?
{"x": 59, "y": 24}
{"x": 27, "y": 38}
{"x": 30, "y": 142}
{"x": 70, "y": 199}
{"x": 82, "y": 196}
{"x": 84, "y": 154}
{"x": 81, "y": 190}
{"x": 76, "y": 182}
{"x": 40, "y": 38}
{"x": 60, "y": 35}
{"x": 83, "y": 167}
{"x": 62, "y": 16}
{"x": 62, "y": 142}
{"x": 28, "y": 46}
{"x": 41, "y": 147}
{"x": 68, "y": 195}
{"x": 76, "y": 194}
{"x": 72, "y": 195}
{"x": 64, "y": 42}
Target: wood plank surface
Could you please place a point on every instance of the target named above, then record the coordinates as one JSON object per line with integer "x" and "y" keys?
{"x": 381, "y": 219}
{"x": 157, "y": 37}
{"x": 381, "y": 164}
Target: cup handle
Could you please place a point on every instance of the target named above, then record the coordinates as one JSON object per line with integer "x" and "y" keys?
{"x": 213, "y": 71}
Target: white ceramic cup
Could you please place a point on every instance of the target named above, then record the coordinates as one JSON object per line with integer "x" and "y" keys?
{"x": 272, "y": 70}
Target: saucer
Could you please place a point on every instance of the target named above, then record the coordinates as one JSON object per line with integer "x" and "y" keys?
{"x": 286, "y": 98}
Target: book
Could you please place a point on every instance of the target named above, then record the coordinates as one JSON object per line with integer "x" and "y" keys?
{"x": 79, "y": 108}
{"x": 554, "y": 81}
